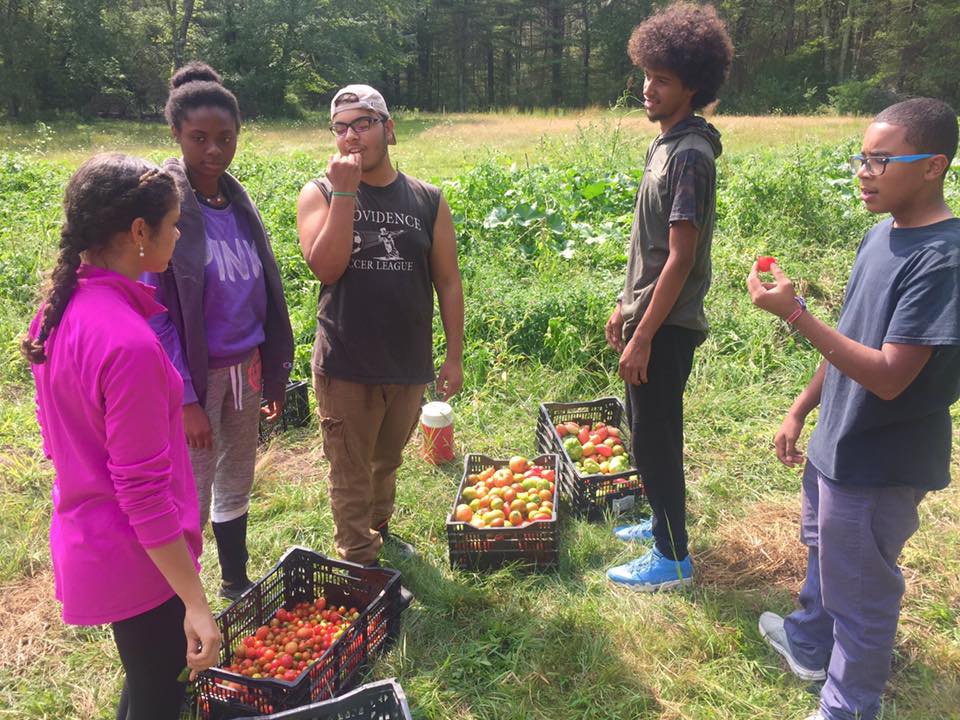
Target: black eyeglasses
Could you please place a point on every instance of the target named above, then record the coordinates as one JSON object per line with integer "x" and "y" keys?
{"x": 878, "y": 165}
{"x": 359, "y": 125}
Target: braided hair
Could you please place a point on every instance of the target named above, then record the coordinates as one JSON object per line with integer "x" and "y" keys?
{"x": 198, "y": 85}
{"x": 104, "y": 196}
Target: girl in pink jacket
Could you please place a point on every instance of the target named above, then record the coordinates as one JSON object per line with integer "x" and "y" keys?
{"x": 124, "y": 533}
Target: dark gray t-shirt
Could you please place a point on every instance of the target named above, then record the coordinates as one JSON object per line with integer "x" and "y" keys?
{"x": 679, "y": 183}
{"x": 375, "y": 324}
{"x": 905, "y": 289}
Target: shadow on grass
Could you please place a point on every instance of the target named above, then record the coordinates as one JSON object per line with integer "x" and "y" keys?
{"x": 479, "y": 645}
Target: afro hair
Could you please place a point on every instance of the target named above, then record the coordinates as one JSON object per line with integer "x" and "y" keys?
{"x": 689, "y": 40}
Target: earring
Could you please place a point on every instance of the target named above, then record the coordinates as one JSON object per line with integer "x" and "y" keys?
{"x": 141, "y": 249}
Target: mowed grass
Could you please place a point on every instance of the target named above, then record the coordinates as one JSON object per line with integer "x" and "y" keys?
{"x": 429, "y": 145}
{"x": 510, "y": 645}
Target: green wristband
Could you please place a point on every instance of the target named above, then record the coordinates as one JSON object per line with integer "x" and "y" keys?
{"x": 337, "y": 193}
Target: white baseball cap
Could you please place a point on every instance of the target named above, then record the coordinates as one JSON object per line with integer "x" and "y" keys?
{"x": 366, "y": 99}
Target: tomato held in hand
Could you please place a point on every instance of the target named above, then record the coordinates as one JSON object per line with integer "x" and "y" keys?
{"x": 764, "y": 262}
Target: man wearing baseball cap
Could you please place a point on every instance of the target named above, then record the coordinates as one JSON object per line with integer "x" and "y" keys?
{"x": 380, "y": 242}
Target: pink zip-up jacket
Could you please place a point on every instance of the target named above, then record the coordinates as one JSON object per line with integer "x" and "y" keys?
{"x": 109, "y": 408}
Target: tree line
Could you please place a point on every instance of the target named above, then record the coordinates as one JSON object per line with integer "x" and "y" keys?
{"x": 285, "y": 57}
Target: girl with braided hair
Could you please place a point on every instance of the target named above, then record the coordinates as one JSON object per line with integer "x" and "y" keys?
{"x": 226, "y": 330}
{"x": 125, "y": 531}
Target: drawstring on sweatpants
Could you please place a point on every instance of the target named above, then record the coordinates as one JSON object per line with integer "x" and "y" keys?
{"x": 236, "y": 385}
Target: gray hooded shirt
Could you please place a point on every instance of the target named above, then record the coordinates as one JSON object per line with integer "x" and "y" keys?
{"x": 679, "y": 183}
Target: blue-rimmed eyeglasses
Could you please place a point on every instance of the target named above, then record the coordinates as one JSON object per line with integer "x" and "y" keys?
{"x": 360, "y": 125}
{"x": 878, "y": 165}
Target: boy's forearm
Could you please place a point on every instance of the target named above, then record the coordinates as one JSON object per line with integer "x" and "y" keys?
{"x": 874, "y": 369}
{"x": 809, "y": 398}
{"x": 665, "y": 295}
{"x": 450, "y": 300}
{"x": 331, "y": 249}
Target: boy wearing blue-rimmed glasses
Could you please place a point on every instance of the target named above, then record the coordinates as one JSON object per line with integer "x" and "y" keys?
{"x": 890, "y": 373}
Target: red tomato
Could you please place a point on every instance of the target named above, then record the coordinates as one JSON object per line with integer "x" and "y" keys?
{"x": 262, "y": 632}
{"x": 562, "y": 430}
{"x": 518, "y": 464}
{"x": 584, "y": 435}
{"x": 764, "y": 262}
{"x": 604, "y": 450}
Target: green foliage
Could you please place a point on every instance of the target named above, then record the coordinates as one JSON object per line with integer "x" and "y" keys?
{"x": 284, "y": 57}
{"x": 859, "y": 97}
{"x": 542, "y": 253}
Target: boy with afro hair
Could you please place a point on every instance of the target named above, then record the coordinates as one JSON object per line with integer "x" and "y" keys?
{"x": 685, "y": 54}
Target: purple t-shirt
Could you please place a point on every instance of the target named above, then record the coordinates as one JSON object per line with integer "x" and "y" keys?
{"x": 234, "y": 292}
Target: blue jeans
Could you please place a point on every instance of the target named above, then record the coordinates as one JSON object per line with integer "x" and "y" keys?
{"x": 850, "y": 601}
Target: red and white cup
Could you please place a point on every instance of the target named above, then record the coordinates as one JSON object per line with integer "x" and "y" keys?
{"x": 436, "y": 432}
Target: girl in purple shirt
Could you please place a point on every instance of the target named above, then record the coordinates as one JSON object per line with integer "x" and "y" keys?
{"x": 227, "y": 330}
{"x": 124, "y": 532}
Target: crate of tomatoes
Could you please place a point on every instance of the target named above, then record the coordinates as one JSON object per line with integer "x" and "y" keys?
{"x": 596, "y": 473}
{"x": 301, "y": 634}
{"x": 505, "y": 511}
{"x": 383, "y": 700}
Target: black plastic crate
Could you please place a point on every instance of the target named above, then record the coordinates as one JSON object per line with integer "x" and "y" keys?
{"x": 383, "y": 700}
{"x": 536, "y": 545}
{"x": 302, "y": 575}
{"x": 589, "y": 495}
{"x": 296, "y": 411}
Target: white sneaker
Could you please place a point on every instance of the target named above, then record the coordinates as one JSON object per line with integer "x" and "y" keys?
{"x": 771, "y": 628}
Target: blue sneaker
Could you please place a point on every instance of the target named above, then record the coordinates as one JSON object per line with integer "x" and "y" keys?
{"x": 653, "y": 572}
{"x": 635, "y": 533}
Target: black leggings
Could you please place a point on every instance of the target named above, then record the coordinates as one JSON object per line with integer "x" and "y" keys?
{"x": 153, "y": 650}
{"x": 656, "y": 422}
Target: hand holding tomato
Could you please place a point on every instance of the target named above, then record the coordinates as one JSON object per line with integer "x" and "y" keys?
{"x": 777, "y": 297}
{"x": 203, "y": 639}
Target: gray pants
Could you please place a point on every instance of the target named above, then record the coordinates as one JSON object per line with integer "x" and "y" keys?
{"x": 225, "y": 471}
{"x": 850, "y": 601}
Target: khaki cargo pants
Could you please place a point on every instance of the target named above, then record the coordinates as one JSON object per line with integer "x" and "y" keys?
{"x": 365, "y": 428}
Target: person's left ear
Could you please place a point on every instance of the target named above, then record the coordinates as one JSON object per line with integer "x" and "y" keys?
{"x": 391, "y": 135}
{"x": 139, "y": 233}
{"x": 936, "y": 167}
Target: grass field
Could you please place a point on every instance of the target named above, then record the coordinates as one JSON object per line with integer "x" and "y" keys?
{"x": 542, "y": 205}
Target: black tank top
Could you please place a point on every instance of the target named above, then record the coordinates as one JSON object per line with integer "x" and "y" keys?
{"x": 375, "y": 324}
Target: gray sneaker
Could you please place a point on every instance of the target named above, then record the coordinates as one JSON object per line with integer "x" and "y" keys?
{"x": 397, "y": 544}
{"x": 771, "y": 628}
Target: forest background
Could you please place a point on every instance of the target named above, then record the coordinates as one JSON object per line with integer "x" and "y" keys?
{"x": 285, "y": 57}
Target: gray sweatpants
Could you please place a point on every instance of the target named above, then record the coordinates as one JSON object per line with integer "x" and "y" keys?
{"x": 224, "y": 473}
{"x": 850, "y": 602}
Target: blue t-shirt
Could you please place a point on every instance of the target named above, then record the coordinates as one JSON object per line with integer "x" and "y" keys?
{"x": 904, "y": 289}
{"x": 234, "y": 291}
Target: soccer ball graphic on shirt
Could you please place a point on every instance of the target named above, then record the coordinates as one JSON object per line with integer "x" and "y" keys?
{"x": 387, "y": 238}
